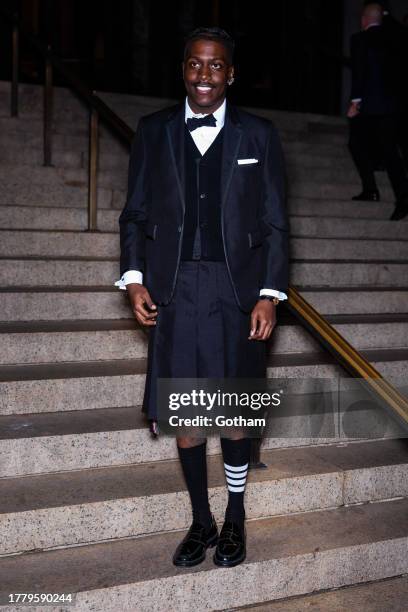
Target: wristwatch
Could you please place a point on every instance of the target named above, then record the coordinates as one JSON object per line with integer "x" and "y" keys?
{"x": 270, "y": 298}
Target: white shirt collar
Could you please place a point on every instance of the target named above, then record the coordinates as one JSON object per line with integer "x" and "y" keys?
{"x": 370, "y": 25}
{"x": 219, "y": 114}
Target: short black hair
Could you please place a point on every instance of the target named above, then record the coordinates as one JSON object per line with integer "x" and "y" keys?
{"x": 385, "y": 4}
{"x": 216, "y": 34}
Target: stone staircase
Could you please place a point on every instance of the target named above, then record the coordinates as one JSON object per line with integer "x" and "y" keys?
{"x": 89, "y": 503}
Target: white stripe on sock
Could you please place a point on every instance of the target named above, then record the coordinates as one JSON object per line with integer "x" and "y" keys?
{"x": 235, "y": 482}
{"x": 236, "y": 489}
{"x": 236, "y": 474}
{"x": 234, "y": 468}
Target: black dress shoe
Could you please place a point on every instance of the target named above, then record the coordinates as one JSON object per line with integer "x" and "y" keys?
{"x": 368, "y": 196}
{"x": 401, "y": 209}
{"x": 191, "y": 550}
{"x": 231, "y": 547}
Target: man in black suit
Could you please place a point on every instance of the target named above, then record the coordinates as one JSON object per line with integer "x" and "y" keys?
{"x": 397, "y": 32}
{"x": 374, "y": 108}
{"x": 204, "y": 258}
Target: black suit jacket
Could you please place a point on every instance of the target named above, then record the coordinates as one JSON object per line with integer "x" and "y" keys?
{"x": 253, "y": 214}
{"x": 377, "y": 70}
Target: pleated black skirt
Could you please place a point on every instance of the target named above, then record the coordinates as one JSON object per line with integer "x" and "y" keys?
{"x": 202, "y": 333}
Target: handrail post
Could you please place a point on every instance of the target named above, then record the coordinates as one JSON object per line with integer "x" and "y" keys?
{"x": 14, "y": 70}
{"x": 92, "y": 169}
{"x": 48, "y": 92}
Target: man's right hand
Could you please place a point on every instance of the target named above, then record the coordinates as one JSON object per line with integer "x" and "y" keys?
{"x": 142, "y": 304}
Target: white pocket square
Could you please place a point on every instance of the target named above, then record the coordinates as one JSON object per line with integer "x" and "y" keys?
{"x": 250, "y": 160}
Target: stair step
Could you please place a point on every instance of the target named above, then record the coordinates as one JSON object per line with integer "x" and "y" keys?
{"x": 93, "y": 438}
{"x": 53, "y": 195}
{"x": 52, "y": 510}
{"x": 60, "y": 345}
{"x": 354, "y": 273}
{"x": 315, "y": 161}
{"x": 346, "y": 249}
{"x": 55, "y": 218}
{"x": 75, "y": 193}
{"x": 15, "y": 219}
{"x": 23, "y": 152}
{"x": 70, "y": 165}
{"x": 78, "y": 437}
{"x": 49, "y": 387}
{"x": 88, "y": 303}
{"x": 324, "y": 149}
{"x": 45, "y": 244}
{"x": 362, "y": 300}
{"x": 330, "y": 213}
{"x": 341, "y": 191}
{"x": 284, "y": 317}
{"x": 55, "y": 347}
{"x": 339, "y": 227}
{"x": 335, "y": 175}
{"x": 387, "y": 594}
{"x": 51, "y": 272}
{"x": 323, "y": 208}
{"x": 32, "y": 157}
{"x": 329, "y": 549}
{"x": 63, "y": 303}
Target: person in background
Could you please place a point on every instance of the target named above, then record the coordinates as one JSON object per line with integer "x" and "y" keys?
{"x": 375, "y": 107}
{"x": 398, "y": 33}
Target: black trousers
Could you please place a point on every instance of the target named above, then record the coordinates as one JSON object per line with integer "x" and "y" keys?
{"x": 374, "y": 138}
{"x": 201, "y": 333}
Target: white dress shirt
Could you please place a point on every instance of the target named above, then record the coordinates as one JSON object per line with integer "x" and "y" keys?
{"x": 203, "y": 137}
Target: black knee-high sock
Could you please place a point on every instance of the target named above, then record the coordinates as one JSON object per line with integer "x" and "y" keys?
{"x": 194, "y": 463}
{"x": 236, "y": 454}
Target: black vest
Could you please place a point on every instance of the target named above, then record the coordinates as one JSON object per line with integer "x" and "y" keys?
{"x": 202, "y": 237}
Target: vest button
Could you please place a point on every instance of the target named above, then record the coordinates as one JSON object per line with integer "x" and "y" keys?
{"x": 202, "y": 195}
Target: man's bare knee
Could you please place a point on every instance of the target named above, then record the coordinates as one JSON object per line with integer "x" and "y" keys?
{"x": 189, "y": 441}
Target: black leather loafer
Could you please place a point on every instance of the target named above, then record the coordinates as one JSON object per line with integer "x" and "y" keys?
{"x": 401, "y": 209}
{"x": 368, "y": 196}
{"x": 191, "y": 550}
{"x": 231, "y": 547}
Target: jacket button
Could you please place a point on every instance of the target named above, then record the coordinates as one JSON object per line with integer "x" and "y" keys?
{"x": 202, "y": 196}
{"x": 179, "y": 229}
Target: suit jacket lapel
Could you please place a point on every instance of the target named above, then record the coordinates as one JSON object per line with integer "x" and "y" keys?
{"x": 175, "y": 136}
{"x": 231, "y": 142}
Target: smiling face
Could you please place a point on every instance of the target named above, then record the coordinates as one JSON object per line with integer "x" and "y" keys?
{"x": 206, "y": 70}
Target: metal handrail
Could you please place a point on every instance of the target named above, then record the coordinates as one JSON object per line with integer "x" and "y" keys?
{"x": 351, "y": 359}
{"x": 354, "y": 362}
{"x": 98, "y": 108}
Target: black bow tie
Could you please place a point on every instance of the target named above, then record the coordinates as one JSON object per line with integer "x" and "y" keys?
{"x": 195, "y": 122}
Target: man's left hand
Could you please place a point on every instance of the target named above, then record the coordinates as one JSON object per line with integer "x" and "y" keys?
{"x": 263, "y": 320}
